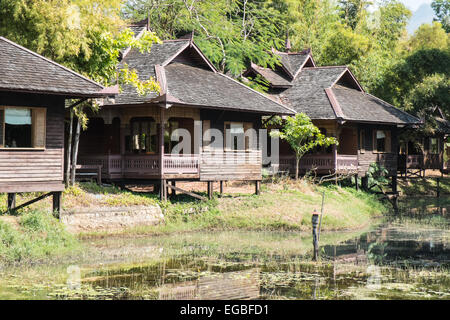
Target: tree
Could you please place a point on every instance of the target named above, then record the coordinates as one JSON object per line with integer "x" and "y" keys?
{"x": 442, "y": 10}
{"x": 303, "y": 136}
{"x": 230, "y": 33}
{"x": 425, "y": 97}
{"x": 429, "y": 36}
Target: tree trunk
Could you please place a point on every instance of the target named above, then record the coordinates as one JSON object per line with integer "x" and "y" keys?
{"x": 75, "y": 152}
{"x": 69, "y": 149}
{"x": 297, "y": 165}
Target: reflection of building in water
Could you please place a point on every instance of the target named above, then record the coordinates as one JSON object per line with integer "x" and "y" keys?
{"x": 223, "y": 286}
{"x": 345, "y": 263}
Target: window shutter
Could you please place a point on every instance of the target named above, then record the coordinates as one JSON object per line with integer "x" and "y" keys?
{"x": 388, "y": 141}
{"x": 39, "y": 115}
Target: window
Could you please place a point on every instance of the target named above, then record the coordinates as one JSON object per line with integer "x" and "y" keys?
{"x": 434, "y": 146}
{"x": 382, "y": 141}
{"x": 362, "y": 141}
{"x": 22, "y": 127}
{"x": 144, "y": 138}
{"x": 235, "y": 132}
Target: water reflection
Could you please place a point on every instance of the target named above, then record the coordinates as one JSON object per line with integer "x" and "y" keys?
{"x": 405, "y": 257}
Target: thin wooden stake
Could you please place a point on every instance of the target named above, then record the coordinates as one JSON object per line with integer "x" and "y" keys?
{"x": 321, "y": 215}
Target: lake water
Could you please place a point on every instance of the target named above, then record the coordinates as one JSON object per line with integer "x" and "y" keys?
{"x": 406, "y": 256}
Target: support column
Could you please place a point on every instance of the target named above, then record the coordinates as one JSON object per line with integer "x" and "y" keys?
{"x": 11, "y": 201}
{"x": 173, "y": 193}
{"x": 356, "y": 182}
{"x": 365, "y": 183}
{"x": 221, "y": 187}
{"x": 57, "y": 197}
{"x": 163, "y": 190}
{"x": 161, "y": 142}
{"x": 394, "y": 184}
{"x": 210, "y": 190}
{"x": 257, "y": 187}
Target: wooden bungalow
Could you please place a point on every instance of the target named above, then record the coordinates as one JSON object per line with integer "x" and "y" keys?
{"x": 132, "y": 136}
{"x": 420, "y": 152}
{"x": 33, "y": 91}
{"x": 365, "y": 126}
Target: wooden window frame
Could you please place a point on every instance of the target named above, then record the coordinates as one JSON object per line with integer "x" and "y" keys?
{"x": 140, "y": 120}
{"x": 2, "y": 143}
{"x": 362, "y": 141}
{"x": 430, "y": 149}
{"x": 388, "y": 147}
{"x": 245, "y": 124}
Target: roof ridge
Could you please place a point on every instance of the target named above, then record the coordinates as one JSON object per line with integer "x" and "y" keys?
{"x": 326, "y": 67}
{"x": 50, "y": 61}
{"x": 251, "y": 89}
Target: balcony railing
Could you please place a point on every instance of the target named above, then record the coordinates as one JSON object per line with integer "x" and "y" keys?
{"x": 321, "y": 162}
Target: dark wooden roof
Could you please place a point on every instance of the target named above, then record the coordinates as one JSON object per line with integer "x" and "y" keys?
{"x": 293, "y": 61}
{"x": 361, "y": 107}
{"x": 26, "y": 71}
{"x": 187, "y": 77}
{"x": 334, "y": 93}
{"x": 274, "y": 77}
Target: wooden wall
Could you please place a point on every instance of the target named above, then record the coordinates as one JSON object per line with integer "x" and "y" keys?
{"x": 35, "y": 170}
{"x": 368, "y": 155}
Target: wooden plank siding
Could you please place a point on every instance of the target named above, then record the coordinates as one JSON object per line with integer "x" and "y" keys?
{"x": 35, "y": 169}
{"x": 367, "y": 153}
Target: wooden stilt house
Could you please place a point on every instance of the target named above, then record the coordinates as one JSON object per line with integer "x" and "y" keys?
{"x": 33, "y": 91}
{"x": 365, "y": 126}
{"x": 420, "y": 151}
{"x": 132, "y": 137}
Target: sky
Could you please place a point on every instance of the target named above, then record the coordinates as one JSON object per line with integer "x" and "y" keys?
{"x": 413, "y": 5}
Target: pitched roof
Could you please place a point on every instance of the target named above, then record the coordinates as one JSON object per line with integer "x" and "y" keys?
{"x": 27, "y": 71}
{"x": 191, "y": 82}
{"x": 293, "y": 61}
{"x": 360, "y": 106}
{"x": 275, "y": 78}
{"x": 321, "y": 93}
{"x": 308, "y": 92}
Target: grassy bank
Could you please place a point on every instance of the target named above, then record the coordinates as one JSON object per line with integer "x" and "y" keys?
{"x": 33, "y": 236}
{"x": 34, "y": 233}
{"x": 281, "y": 206}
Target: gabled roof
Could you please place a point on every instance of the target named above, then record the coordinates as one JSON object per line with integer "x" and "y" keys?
{"x": 275, "y": 78}
{"x": 26, "y": 71}
{"x": 334, "y": 93}
{"x": 293, "y": 62}
{"x": 187, "y": 77}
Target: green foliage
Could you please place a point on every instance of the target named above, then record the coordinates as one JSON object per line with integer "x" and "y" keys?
{"x": 425, "y": 97}
{"x": 39, "y": 235}
{"x": 377, "y": 175}
{"x": 84, "y": 36}
{"x": 230, "y": 33}
{"x": 429, "y": 36}
{"x": 442, "y": 10}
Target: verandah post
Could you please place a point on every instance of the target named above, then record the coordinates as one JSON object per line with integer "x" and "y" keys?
{"x": 57, "y": 196}
{"x": 163, "y": 191}
{"x": 257, "y": 187}
{"x": 11, "y": 201}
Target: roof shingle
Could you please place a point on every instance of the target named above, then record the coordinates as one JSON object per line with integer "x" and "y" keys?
{"x": 24, "y": 70}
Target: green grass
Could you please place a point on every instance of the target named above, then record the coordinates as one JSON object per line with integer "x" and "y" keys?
{"x": 283, "y": 207}
{"x": 37, "y": 235}
{"x": 422, "y": 187}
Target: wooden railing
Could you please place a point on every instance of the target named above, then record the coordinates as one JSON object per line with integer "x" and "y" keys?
{"x": 319, "y": 162}
{"x": 181, "y": 164}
